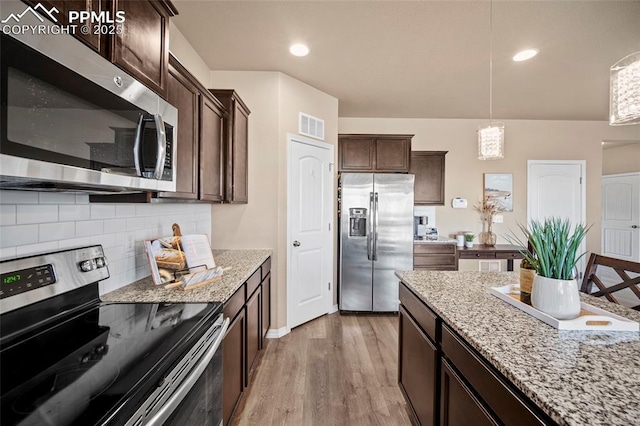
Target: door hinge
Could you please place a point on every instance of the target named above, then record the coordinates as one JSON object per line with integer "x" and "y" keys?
{"x": 329, "y": 226}
{"x": 330, "y": 166}
{"x": 329, "y": 283}
{"x": 580, "y": 180}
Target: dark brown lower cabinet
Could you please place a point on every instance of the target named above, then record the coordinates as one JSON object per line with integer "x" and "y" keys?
{"x": 233, "y": 351}
{"x": 418, "y": 370}
{"x": 254, "y": 330}
{"x": 247, "y": 308}
{"x": 446, "y": 381}
{"x": 458, "y": 405}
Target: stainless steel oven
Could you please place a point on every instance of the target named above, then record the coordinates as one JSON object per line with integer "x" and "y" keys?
{"x": 68, "y": 359}
{"x": 70, "y": 119}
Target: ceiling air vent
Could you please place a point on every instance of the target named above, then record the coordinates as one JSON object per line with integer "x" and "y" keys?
{"x": 311, "y": 126}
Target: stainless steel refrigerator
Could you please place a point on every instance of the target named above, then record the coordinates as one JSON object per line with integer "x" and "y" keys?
{"x": 376, "y": 238}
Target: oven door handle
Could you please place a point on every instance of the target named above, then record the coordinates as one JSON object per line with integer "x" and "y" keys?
{"x": 186, "y": 385}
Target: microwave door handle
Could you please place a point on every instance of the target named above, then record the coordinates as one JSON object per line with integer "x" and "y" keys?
{"x": 161, "y": 139}
{"x": 137, "y": 145}
{"x": 174, "y": 401}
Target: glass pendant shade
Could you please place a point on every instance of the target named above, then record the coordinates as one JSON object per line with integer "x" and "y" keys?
{"x": 624, "y": 101}
{"x": 491, "y": 141}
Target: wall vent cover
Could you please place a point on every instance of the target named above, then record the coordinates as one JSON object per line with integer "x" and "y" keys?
{"x": 311, "y": 126}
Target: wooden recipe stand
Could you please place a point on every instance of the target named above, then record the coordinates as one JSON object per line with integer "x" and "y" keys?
{"x": 499, "y": 251}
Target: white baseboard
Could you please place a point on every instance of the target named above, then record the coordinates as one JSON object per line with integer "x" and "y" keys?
{"x": 333, "y": 309}
{"x": 277, "y": 333}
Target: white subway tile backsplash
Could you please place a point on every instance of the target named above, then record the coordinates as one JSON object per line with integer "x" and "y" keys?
{"x": 7, "y": 253}
{"x": 33, "y": 222}
{"x": 36, "y": 213}
{"x": 56, "y": 198}
{"x": 88, "y": 228}
{"x": 75, "y": 242}
{"x": 37, "y": 248}
{"x": 74, "y": 212}
{"x": 125, "y": 210}
{"x": 103, "y": 211}
{"x": 7, "y": 214}
{"x": 82, "y": 199}
{"x": 56, "y": 231}
{"x": 105, "y": 240}
{"x": 18, "y": 235}
{"x": 18, "y": 197}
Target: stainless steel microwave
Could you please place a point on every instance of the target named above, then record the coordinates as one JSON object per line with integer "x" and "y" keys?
{"x": 71, "y": 120}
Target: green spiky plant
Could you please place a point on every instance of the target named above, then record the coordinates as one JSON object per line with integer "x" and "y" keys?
{"x": 554, "y": 252}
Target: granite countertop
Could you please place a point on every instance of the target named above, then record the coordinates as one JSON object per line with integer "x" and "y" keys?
{"x": 576, "y": 377}
{"x": 440, "y": 240}
{"x": 243, "y": 263}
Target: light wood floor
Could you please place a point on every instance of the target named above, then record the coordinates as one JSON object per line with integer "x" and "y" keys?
{"x": 335, "y": 370}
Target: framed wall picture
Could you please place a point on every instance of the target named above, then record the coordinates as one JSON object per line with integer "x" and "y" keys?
{"x": 499, "y": 186}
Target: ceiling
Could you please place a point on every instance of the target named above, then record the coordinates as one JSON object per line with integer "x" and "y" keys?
{"x": 427, "y": 59}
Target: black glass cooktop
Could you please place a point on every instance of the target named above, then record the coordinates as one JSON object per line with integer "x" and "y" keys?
{"x": 94, "y": 366}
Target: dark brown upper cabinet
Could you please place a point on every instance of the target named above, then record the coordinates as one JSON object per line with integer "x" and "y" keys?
{"x": 199, "y": 149}
{"x": 235, "y": 146}
{"x": 428, "y": 166}
{"x": 93, "y": 39}
{"x": 374, "y": 153}
{"x": 139, "y": 45}
{"x": 142, "y": 48}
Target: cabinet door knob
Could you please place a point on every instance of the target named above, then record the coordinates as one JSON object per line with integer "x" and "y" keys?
{"x": 296, "y": 243}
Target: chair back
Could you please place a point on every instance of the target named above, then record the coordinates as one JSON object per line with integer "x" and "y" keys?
{"x": 612, "y": 275}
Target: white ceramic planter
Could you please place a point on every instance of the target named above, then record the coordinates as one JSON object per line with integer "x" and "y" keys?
{"x": 558, "y": 298}
{"x": 468, "y": 244}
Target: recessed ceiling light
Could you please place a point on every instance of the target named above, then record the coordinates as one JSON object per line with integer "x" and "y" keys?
{"x": 525, "y": 55}
{"x": 299, "y": 49}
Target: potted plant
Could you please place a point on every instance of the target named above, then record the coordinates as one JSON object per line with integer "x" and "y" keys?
{"x": 553, "y": 254}
{"x": 488, "y": 208}
{"x": 468, "y": 240}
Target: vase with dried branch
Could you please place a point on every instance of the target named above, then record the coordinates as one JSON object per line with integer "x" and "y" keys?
{"x": 488, "y": 208}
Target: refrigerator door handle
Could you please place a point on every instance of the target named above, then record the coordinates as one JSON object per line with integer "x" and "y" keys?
{"x": 375, "y": 232}
{"x": 370, "y": 225}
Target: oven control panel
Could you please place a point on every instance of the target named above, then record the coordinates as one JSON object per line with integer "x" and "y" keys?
{"x": 17, "y": 282}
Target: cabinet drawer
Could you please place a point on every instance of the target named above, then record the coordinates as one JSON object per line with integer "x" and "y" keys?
{"x": 434, "y": 248}
{"x": 253, "y": 282}
{"x": 512, "y": 255}
{"x": 423, "y": 315}
{"x": 504, "y": 401}
{"x": 235, "y": 303}
{"x": 475, "y": 255}
{"x": 434, "y": 260}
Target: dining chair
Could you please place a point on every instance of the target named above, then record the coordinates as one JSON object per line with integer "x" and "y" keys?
{"x": 604, "y": 271}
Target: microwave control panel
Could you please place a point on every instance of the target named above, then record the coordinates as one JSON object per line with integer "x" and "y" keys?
{"x": 24, "y": 280}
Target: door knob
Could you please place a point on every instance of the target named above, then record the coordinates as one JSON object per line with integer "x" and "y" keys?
{"x": 634, "y": 226}
{"x": 296, "y": 243}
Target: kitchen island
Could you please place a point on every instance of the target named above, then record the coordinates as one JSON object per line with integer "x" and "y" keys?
{"x": 480, "y": 360}
{"x": 242, "y": 263}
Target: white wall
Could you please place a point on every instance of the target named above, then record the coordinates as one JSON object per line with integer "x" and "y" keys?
{"x": 38, "y": 222}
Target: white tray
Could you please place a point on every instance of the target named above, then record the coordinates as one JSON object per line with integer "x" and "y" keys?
{"x": 601, "y": 320}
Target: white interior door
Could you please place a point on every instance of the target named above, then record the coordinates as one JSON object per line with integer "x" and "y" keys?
{"x": 621, "y": 216}
{"x": 557, "y": 189}
{"x": 310, "y": 238}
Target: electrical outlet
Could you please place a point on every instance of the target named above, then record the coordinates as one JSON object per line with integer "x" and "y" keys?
{"x": 498, "y": 218}
{"x": 131, "y": 244}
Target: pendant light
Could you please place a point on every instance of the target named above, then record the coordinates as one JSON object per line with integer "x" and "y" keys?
{"x": 624, "y": 100}
{"x": 491, "y": 136}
